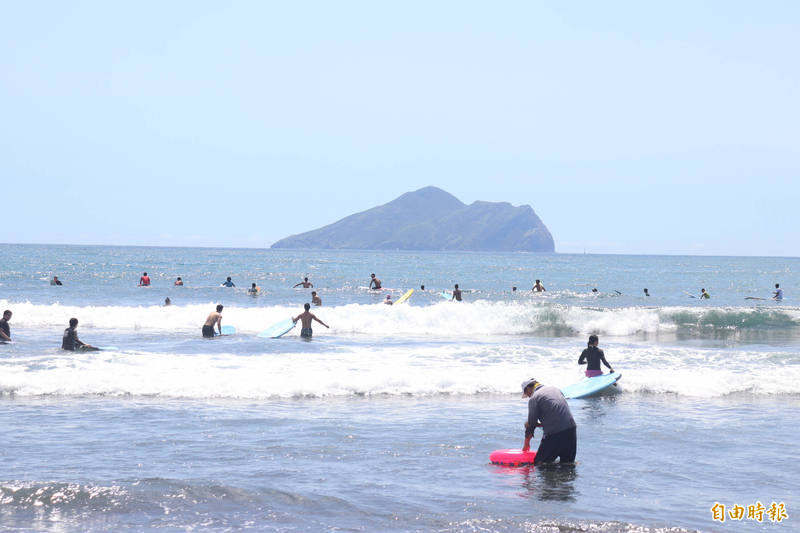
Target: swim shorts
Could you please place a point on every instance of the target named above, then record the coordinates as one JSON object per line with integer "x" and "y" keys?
{"x": 208, "y": 331}
{"x": 306, "y": 332}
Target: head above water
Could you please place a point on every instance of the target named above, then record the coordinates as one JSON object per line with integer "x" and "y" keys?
{"x": 528, "y": 386}
{"x": 219, "y": 308}
{"x": 228, "y": 278}
{"x": 254, "y": 285}
{"x": 305, "y": 279}
{"x": 593, "y": 340}
{"x": 307, "y": 306}
{"x": 144, "y": 273}
{"x": 73, "y": 322}
{"x": 7, "y": 314}
{"x": 456, "y": 285}
{"x": 777, "y": 285}
{"x": 313, "y": 293}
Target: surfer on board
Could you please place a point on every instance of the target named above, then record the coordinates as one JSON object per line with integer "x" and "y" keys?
{"x": 144, "y": 281}
{"x": 549, "y": 406}
{"x": 456, "y": 294}
{"x": 305, "y": 319}
{"x": 704, "y": 295}
{"x": 5, "y": 329}
{"x": 778, "y": 296}
{"x": 70, "y": 340}
{"x": 374, "y": 283}
{"x": 215, "y": 317}
{"x": 592, "y": 356}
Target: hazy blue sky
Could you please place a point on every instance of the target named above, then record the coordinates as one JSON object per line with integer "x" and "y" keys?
{"x": 630, "y": 127}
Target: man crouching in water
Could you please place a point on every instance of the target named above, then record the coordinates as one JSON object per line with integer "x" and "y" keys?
{"x": 213, "y": 318}
{"x": 70, "y": 340}
{"x": 548, "y": 404}
{"x": 306, "y": 319}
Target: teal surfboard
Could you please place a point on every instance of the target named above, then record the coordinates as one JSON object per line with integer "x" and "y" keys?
{"x": 588, "y": 386}
{"x": 228, "y": 330}
{"x": 108, "y": 348}
{"x": 446, "y": 295}
{"x": 278, "y": 330}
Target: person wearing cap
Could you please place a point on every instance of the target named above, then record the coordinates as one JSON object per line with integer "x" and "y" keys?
{"x": 548, "y": 406}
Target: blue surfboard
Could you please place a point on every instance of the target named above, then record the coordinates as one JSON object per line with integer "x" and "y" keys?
{"x": 228, "y": 330}
{"x": 588, "y": 386}
{"x": 278, "y": 330}
{"x": 108, "y": 348}
{"x": 446, "y": 295}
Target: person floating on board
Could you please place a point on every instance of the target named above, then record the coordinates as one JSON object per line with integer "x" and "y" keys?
{"x": 374, "y": 283}
{"x": 70, "y": 340}
{"x": 388, "y": 300}
{"x": 704, "y": 295}
{"x": 316, "y": 300}
{"x": 253, "y": 290}
{"x": 538, "y": 287}
{"x": 144, "y": 281}
{"x": 778, "y": 296}
{"x": 5, "y": 329}
{"x": 228, "y": 283}
{"x": 178, "y": 282}
{"x": 549, "y": 406}
{"x": 305, "y": 321}
{"x": 305, "y": 284}
{"x": 213, "y": 318}
{"x": 55, "y": 281}
{"x": 592, "y": 356}
{"x": 646, "y": 293}
{"x": 167, "y": 301}
{"x": 456, "y": 294}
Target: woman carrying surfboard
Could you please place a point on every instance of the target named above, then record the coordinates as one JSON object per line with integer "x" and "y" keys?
{"x": 592, "y": 356}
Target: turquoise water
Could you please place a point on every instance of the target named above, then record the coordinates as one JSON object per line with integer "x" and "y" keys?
{"x": 385, "y": 421}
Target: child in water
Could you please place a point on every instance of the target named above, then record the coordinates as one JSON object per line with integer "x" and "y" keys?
{"x": 592, "y": 356}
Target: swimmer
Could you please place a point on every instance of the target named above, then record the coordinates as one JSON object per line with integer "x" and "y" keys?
{"x": 167, "y": 301}
{"x": 374, "y": 283}
{"x": 253, "y": 290}
{"x": 305, "y": 319}
{"x": 213, "y": 318}
{"x": 538, "y": 287}
{"x": 594, "y": 290}
{"x": 592, "y": 356}
{"x": 316, "y": 300}
{"x": 456, "y": 294}
{"x": 305, "y": 284}
{"x": 388, "y": 300}
{"x": 514, "y": 288}
{"x": 704, "y": 295}
{"x": 422, "y": 287}
{"x": 646, "y": 293}
{"x": 5, "y": 329}
{"x": 70, "y": 340}
{"x": 178, "y": 282}
{"x": 778, "y": 296}
{"x": 55, "y": 281}
{"x": 228, "y": 283}
{"x": 144, "y": 281}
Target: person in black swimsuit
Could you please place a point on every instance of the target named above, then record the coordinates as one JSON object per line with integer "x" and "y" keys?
{"x": 592, "y": 356}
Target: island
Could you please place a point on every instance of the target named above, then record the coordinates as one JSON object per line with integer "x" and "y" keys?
{"x": 432, "y": 219}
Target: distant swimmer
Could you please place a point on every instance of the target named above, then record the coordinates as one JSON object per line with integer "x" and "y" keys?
{"x": 594, "y": 290}
{"x": 538, "y": 287}
{"x": 704, "y": 295}
{"x": 144, "y": 281}
{"x": 228, "y": 283}
{"x": 514, "y": 289}
{"x": 70, "y": 340}
{"x": 548, "y": 406}
{"x": 422, "y": 287}
{"x": 316, "y": 300}
{"x": 305, "y": 284}
{"x": 254, "y": 290}
{"x": 778, "y": 296}
{"x": 5, "y": 329}
{"x": 592, "y": 356}
{"x": 213, "y": 318}
{"x": 646, "y": 293}
{"x": 388, "y": 300}
{"x": 374, "y": 283}
{"x": 167, "y": 301}
{"x": 55, "y": 281}
{"x": 178, "y": 282}
{"x": 456, "y": 294}
{"x": 305, "y": 319}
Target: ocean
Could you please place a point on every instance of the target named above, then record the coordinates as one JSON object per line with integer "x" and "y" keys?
{"x": 385, "y": 421}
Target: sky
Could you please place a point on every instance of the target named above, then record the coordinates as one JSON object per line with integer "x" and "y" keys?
{"x": 630, "y": 127}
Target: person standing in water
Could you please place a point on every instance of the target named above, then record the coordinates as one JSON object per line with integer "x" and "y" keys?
{"x": 592, "y": 356}
{"x": 456, "y": 294}
{"x": 316, "y": 300}
{"x": 144, "y": 281}
{"x": 178, "y": 282}
{"x": 548, "y": 405}
{"x": 778, "y": 296}
{"x": 538, "y": 287}
{"x": 305, "y": 284}
{"x": 305, "y": 319}
{"x": 253, "y": 290}
{"x": 646, "y": 293}
{"x": 55, "y": 281}
{"x": 374, "y": 283}
{"x": 5, "y": 329}
{"x": 228, "y": 282}
{"x": 70, "y": 340}
{"x": 213, "y": 318}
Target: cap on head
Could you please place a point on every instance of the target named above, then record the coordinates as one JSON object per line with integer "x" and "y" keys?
{"x": 527, "y": 383}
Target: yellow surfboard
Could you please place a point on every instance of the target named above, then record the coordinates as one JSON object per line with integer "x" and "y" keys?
{"x": 404, "y": 297}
